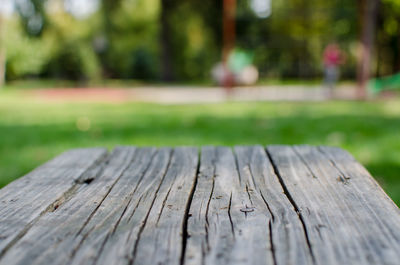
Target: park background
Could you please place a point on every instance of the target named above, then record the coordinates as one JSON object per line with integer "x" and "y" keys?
{"x": 50, "y": 45}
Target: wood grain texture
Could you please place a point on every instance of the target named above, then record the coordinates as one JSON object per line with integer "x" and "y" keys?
{"x": 288, "y": 237}
{"x": 241, "y": 205}
{"x": 340, "y": 227}
{"x": 112, "y": 233}
{"x": 369, "y": 201}
{"x": 50, "y": 240}
{"x": 162, "y": 237}
{"x": 240, "y": 214}
{"x": 23, "y": 201}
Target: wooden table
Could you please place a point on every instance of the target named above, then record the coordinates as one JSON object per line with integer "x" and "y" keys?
{"x": 246, "y": 205}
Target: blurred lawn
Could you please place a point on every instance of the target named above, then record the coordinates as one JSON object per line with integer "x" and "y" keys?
{"x": 33, "y": 131}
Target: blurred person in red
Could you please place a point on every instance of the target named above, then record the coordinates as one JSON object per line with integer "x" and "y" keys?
{"x": 333, "y": 57}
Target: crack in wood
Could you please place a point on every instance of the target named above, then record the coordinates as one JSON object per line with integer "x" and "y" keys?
{"x": 163, "y": 204}
{"x": 108, "y": 192}
{"x": 230, "y": 216}
{"x": 246, "y": 209}
{"x": 66, "y": 196}
{"x": 63, "y": 199}
{"x": 103, "y": 244}
{"x": 85, "y": 236}
{"x": 185, "y": 234}
{"x": 304, "y": 162}
{"x": 135, "y": 208}
{"x": 342, "y": 177}
{"x": 131, "y": 195}
{"x": 291, "y": 200}
{"x": 271, "y": 241}
{"x": 272, "y": 220}
{"x": 283, "y": 222}
{"x": 384, "y": 228}
{"x": 99, "y": 165}
{"x": 248, "y": 194}
{"x": 131, "y": 260}
{"x": 268, "y": 207}
{"x": 314, "y": 154}
{"x": 207, "y": 224}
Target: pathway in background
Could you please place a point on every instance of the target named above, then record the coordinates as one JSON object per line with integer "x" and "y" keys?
{"x": 193, "y": 94}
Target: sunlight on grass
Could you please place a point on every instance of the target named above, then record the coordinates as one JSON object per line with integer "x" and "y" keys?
{"x": 33, "y": 131}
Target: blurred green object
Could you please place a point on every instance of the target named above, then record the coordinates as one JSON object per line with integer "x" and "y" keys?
{"x": 239, "y": 59}
{"x": 388, "y": 83}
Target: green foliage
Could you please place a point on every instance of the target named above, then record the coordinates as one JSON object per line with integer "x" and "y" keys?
{"x": 388, "y": 40}
{"x": 194, "y": 50}
{"x": 32, "y": 131}
{"x": 33, "y": 15}
{"x": 123, "y": 38}
{"x": 132, "y": 40}
{"x": 76, "y": 61}
{"x": 291, "y": 41}
{"x": 25, "y": 55}
{"x": 63, "y": 50}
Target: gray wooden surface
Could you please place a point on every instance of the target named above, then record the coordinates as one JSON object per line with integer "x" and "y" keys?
{"x": 213, "y": 205}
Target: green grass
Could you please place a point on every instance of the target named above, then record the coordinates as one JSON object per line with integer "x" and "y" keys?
{"x": 33, "y": 131}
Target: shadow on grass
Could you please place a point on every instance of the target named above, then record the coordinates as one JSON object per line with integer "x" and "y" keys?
{"x": 388, "y": 175}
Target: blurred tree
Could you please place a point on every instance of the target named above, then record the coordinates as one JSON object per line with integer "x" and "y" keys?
{"x": 167, "y": 71}
{"x": 127, "y": 39}
{"x": 104, "y": 41}
{"x": 108, "y": 9}
{"x": 33, "y": 15}
{"x": 388, "y": 38}
{"x": 182, "y": 39}
{"x": 368, "y": 14}
{"x": 196, "y": 37}
{"x": 195, "y": 44}
{"x": 229, "y": 28}
{"x": 26, "y": 56}
{"x": 2, "y": 51}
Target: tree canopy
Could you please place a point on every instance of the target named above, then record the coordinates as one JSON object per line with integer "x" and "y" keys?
{"x": 182, "y": 40}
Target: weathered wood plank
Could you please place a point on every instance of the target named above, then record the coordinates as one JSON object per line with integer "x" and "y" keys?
{"x": 338, "y": 227}
{"x": 149, "y": 196}
{"x": 23, "y": 201}
{"x": 114, "y": 242}
{"x": 287, "y": 234}
{"x": 240, "y": 214}
{"x": 86, "y": 230}
{"x": 210, "y": 227}
{"x": 50, "y": 239}
{"x": 162, "y": 236}
{"x": 373, "y": 203}
{"x": 249, "y": 205}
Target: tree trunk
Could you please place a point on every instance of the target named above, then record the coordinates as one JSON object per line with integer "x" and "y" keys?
{"x": 368, "y": 12}
{"x": 2, "y": 67}
{"x": 398, "y": 52}
{"x": 2, "y": 53}
{"x": 229, "y": 34}
{"x": 228, "y": 28}
{"x": 165, "y": 42}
